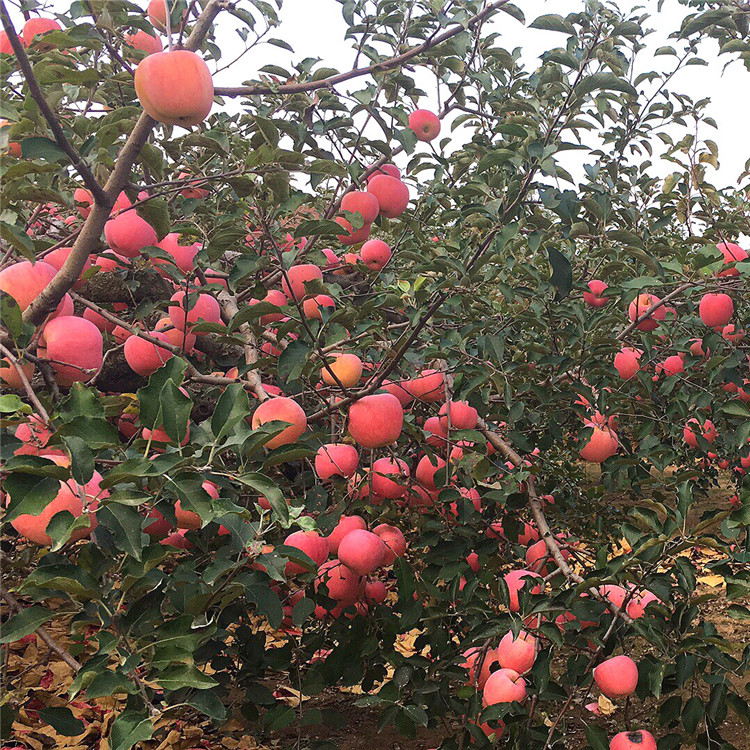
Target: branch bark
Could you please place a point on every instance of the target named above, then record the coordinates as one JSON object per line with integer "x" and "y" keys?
{"x": 43, "y": 634}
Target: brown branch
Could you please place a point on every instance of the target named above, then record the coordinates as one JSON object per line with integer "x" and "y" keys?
{"x": 44, "y": 636}
{"x": 25, "y": 382}
{"x": 94, "y": 224}
{"x": 381, "y": 67}
{"x": 23, "y": 61}
{"x": 229, "y": 307}
{"x": 535, "y": 505}
{"x": 651, "y": 310}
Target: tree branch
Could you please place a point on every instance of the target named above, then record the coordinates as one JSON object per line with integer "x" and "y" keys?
{"x": 46, "y": 638}
{"x": 94, "y": 224}
{"x": 541, "y": 521}
{"x": 381, "y": 67}
{"x": 23, "y": 61}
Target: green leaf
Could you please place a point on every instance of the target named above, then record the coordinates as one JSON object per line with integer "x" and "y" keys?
{"x": 417, "y": 714}
{"x": 268, "y": 488}
{"x": 267, "y": 602}
{"x": 70, "y": 578}
{"x": 124, "y": 524}
{"x": 597, "y": 738}
{"x": 292, "y": 360}
{"x": 18, "y": 240}
{"x": 175, "y": 407}
{"x": 7, "y": 719}
{"x": 269, "y": 131}
{"x": 37, "y": 147}
{"x": 184, "y": 675}
{"x": 82, "y": 459}
{"x": 10, "y": 404}
{"x": 562, "y": 273}
{"x": 231, "y": 408}
{"x": 553, "y": 22}
{"x": 156, "y": 212}
{"x": 62, "y": 525}
{"x": 24, "y": 622}
{"x": 29, "y": 493}
{"x": 62, "y": 721}
{"x": 128, "y": 729}
{"x": 736, "y": 409}
{"x": 606, "y": 81}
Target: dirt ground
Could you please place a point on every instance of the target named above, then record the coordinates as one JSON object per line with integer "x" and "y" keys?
{"x": 34, "y": 678}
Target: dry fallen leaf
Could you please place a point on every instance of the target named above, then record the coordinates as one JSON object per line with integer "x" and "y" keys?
{"x": 606, "y": 707}
{"x": 711, "y": 580}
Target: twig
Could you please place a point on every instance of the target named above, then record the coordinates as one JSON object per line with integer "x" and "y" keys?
{"x": 26, "y": 385}
{"x": 381, "y": 67}
{"x": 43, "y": 634}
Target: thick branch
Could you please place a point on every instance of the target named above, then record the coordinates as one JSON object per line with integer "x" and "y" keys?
{"x": 94, "y": 224}
{"x": 230, "y": 309}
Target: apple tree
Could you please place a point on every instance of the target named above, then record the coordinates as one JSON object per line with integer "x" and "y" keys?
{"x": 428, "y": 377}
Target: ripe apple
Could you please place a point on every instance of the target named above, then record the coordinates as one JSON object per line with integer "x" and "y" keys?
{"x": 127, "y": 234}
{"x": 428, "y": 386}
{"x": 638, "y": 740}
{"x": 640, "y": 306}
{"x": 336, "y": 459}
{"x": 462, "y": 416}
{"x": 627, "y": 362}
{"x": 389, "y": 478}
{"x": 346, "y": 367}
{"x": 75, "y": 348}
{"x": 200, "y": 307}
{"x": 175, "y": 88}
{"x": 293, "y": 285}
{"x": 517, "y": 580}
{"x": 342, "y": 528}
{"x": 716, "y": 309}
{"x": 375, "y": 254}
{"x": 518, "y": 653}
{"x": 281, "y": 409}
{"x": 425, "y": 124}
{"x": 312, "y": 544}
{"x": 617, "y": 677}
{"x": 376, "y": 421}
{"x": 594, "y": 297}
{"x": 504, "y": 686}
{"x": 363, "y": 203}
{"x": 392, "y": 195}
{"x": 362, "y": 551}
{"x": 394, "y": 541}
{"x": 693, "y": 426}
{"x": 601, "y": 445}
{"x": 341, "y": 582}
